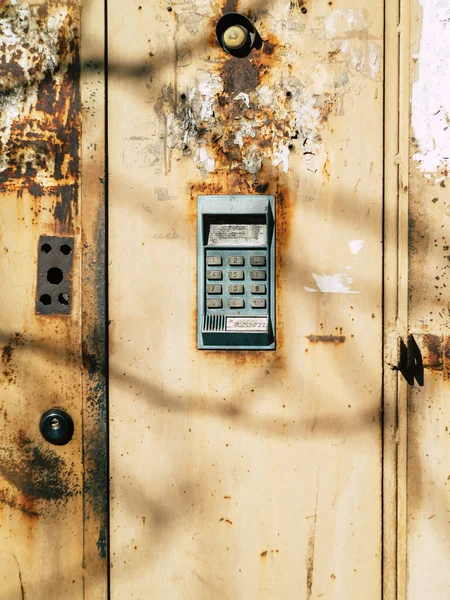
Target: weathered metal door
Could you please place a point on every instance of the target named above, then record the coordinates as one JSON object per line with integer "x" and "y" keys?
{"x": 53, "y": 498}
{"x": 234, "y": 474}
{"x": 246, "y": 474}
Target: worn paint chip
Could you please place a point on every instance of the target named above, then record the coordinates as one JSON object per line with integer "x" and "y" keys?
{"x": 339, "y": 283}
{"x": 356, "y": 246}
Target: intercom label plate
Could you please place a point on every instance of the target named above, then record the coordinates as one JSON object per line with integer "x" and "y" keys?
{"x": 247, "y": 324}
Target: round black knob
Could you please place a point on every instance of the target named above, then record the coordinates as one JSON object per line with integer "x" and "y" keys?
{"x": 56, "y": 427}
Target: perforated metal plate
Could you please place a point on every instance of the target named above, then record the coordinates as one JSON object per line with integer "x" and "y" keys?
{"x": 54, "y": 277}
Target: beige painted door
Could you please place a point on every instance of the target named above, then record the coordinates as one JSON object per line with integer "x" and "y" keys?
{"x": 246, "y": 474}
{"x": 427, "y": 513}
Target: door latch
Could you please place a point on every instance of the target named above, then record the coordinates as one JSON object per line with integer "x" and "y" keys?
{"x": 410, "y": 362}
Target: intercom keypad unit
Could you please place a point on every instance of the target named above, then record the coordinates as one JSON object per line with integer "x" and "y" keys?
{"x": 236, "y": 276}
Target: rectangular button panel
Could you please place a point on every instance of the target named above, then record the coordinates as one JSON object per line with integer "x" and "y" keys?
{"x": 235, "y": 274}
{"x": 215, "y": 288}
{"x": 236, "y": 288}
{"x": 214, "y": 261}
{"x": 257, "y": 288}
{"x": 235, "y": 261}
{"x": 213, "y": 274}
{"x": 258, "y": 261}
{"x": 258, "y": 302}
{"x": 236, "y": 302}
{"x": 214, "y": 303}
{"x": 261, "y": 275}
{"x": 244, "y": 295}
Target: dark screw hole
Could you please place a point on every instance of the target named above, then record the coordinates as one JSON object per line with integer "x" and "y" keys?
{"x": 65, "y": 249}
{"x": 291, "y": 146}
{"x": 185, "y": 147}
{"x": 183, "y": 96}
{"x": 64, "y": 299}
{"x": 288, "y": 94}
{"x": 169, "y": 8}
{"x": 45, "y": 299}
{"x": 46, "y": 248}
{"x": 54, "y": 275}
{"x": 304, "y": 10}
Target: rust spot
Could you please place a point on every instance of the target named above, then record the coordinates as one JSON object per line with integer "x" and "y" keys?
{"x": 431, "y": 347}
{"x": 230, "y": 6}
{"x": 239, "y": 75}
{"x": 36, "y": 473}
{"x": 326, "y": 339}
{"x": 226, "y": 521}
{"x": 9, "y": 371}
{"x": 6, "y": 354}
{"x": 447, "y": 356}
{"x": 264, "y": 553}
{"x": 268, "y": 47}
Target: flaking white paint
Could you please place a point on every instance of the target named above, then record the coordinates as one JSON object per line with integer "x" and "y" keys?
{"x": 21, "y": 33}
{"x": 338, "y": 283}
{"x": 356, "y": 246}
{"x": 431, "y": 91}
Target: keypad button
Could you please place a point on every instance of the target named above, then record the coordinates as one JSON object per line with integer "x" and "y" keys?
{"x": 236, "y": 303}
{"x": 214, "y": 261}
{"x": 236, "y": 274}
{"x": 236, "y": 260}
{"x": 213, "y": 274}
{"x": 258, "y": 302}
{"x": 236, "y": 288}
{"x": 258, "y": 288}
{"x": 258, "y": 275}
{"x": 214, "y": 303}
{"x": 214, "y": 289}
{"x": 258, "y": 261}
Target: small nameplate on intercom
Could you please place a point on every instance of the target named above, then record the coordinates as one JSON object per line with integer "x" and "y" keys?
{"x": 236, "y": 272}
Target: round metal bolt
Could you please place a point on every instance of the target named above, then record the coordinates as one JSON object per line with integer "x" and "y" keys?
{"x": 56, "y": 427}
{"x": 235, "y": 37}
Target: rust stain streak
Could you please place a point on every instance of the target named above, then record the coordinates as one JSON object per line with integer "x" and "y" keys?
{"x": 22, "y": 589}
{"x": 310, "y": 557}
{"x": 326, "y": 339}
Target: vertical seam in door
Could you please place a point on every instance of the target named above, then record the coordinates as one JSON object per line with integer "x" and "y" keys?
{"x": 404, "y": 96}
{"x": 106, "y": 197}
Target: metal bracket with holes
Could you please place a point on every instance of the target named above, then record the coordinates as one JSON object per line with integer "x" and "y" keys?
{"x": 54, "y": 278}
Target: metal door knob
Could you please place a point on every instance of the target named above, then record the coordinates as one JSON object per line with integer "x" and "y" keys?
{"x": 56, "y": 427}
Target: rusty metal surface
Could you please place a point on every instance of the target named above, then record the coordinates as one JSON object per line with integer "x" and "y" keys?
{"x": 46, "y": 493}
{"x": 40, "y": 103}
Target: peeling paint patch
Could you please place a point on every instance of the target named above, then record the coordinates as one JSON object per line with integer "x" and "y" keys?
{"x": 340, "y": 283}
{"x": 431, "y": 92}
{"x": 356, "y": 246}
{"x": 256, "y": 110}
{"x": 39, "y": 97}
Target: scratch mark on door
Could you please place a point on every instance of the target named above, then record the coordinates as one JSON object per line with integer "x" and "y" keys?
{"x": 311, "y": 551}
{"x": 22, "y": 589}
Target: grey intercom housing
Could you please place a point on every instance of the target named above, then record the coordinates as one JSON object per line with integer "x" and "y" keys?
{"x": 236, "y": 273}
